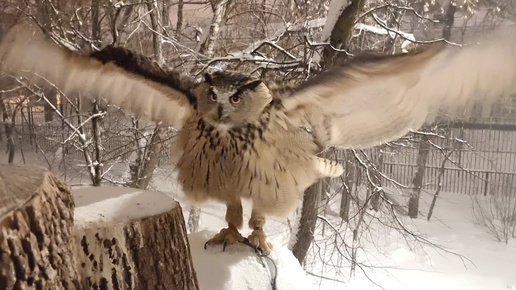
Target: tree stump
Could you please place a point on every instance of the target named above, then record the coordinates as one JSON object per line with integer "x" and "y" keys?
{"x": 36, "y": 219}
{"x": 116, "y": 238}
{"x": 132, "y": 239}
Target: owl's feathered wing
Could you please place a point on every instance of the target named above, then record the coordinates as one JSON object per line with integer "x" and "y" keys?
{"x": 371, "y": 100}
{"x": 117, "y": 75}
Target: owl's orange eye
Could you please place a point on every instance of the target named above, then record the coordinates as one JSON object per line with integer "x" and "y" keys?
{"x": 235, "y": 100}
{"x": 213, "y": 97}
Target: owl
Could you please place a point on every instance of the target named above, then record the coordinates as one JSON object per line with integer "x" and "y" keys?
{"x": 244, "y": 138}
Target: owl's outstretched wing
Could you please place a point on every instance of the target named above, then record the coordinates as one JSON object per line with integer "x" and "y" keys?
{"x": 371, "y": 100}
{"x": 119, "y": 76}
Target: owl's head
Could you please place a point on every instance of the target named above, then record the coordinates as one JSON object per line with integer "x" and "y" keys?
{"x": 232, "y": 99}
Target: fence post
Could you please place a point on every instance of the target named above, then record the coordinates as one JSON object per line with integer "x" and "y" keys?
{"x": 486, "y": 183}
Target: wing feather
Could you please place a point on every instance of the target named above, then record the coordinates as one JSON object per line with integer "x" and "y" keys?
{"x": 371, "y": 100}
{"x": 119, "y": 76}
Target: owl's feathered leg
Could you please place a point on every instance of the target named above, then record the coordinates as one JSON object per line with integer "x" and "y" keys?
{"x": 258, "y": 237}
{"x": 230, "y": 235}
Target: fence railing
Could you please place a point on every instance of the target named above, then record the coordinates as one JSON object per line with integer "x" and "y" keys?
{"x": 50, "y": 140}
{"x": 484, "y": 165}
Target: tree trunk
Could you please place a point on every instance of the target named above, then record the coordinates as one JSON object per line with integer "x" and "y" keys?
{"x": 341, "y": 32}
{"x": 449, "y": 20}
{"x": 424, "y": 146}
{"x": 116, "y": 238}
{"x": 9, "y": 130}
{"x": 307, "y": 222}
{"x": 339, "y": 35}
{"x": 194, "y": 216}
{"x": 219, "y": 11}
{"x": 96, "y": 28}
{"x": 140, "y": 245}
{"x": 422, "y": 158}
{"x": 376, "y": 187}
{"x": 179, "y": 25}
{"x": 347, "y": 187}
{"x": 147, "y": 160}
{"x": 447, "y": 30}
{"x": 36, "y": 242}
{"x": 152, "y": 6}
{"x": 52, "y": 98}
{"x": 97, "y": 142}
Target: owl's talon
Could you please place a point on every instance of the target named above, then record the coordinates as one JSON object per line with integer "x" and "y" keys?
{"x": 258, "y": 241}
{"x": 226, "y": 236}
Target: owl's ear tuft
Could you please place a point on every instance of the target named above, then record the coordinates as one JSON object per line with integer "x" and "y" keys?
{"x": 252, "y": 85}
{"x": 208, "y": 79}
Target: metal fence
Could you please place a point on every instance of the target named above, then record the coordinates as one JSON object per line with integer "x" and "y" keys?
{"x": 50, "y": 139}
{"x": 486, "y": 165}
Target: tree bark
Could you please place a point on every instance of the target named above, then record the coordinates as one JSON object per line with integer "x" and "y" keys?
{"x": 36, "y": 242}
{"x": 307, "y": 222}
{"x": 9, "y": 130}
{"x": 376, "y": 187}
{"x": 194, "y": 217}
{"x": 339, "y": 35}
{"x": 152, "y": 6}
{"x": 179, "y": 25}
{"x": 52, "y": 98}
{"x": 147, "y": 160}
{"x": 422, "y": 158}
{"x": 347, "y": 187}
{"x": 140, "y": 245}
{"x": 219, "y": 12}
{"x": 424, "y": 146}
{"x": 341, "y": 32}
{"x": 96, "y": 28}
{"x": 449, "y": 20}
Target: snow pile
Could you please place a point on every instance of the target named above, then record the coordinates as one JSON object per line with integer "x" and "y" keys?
{"x": 240, "y": 268}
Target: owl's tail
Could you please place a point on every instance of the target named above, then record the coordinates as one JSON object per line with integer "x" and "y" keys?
{"x": 329, "y": 168}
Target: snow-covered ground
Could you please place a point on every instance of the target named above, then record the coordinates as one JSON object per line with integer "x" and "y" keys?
{"x": 463, "y": 255}
{"x": 405, "y": 264}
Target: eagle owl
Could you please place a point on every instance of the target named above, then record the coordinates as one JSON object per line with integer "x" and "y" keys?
{"x": 242, "y": 138}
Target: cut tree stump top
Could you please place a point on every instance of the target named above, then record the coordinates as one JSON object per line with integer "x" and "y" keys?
{"x": 18, "y": 184}
{"x": 118, "y": 204}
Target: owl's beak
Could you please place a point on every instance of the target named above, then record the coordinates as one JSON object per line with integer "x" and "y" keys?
{"x": 220, "y": 112}
{"x": 220, "y": 116}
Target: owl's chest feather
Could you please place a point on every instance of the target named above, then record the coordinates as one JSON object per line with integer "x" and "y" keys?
{"x": 267, "y": 158}
{"x": 213, "y": 160}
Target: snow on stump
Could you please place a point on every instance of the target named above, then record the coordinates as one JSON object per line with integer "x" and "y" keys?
{"x": 132, "y": 239}
{"x": 36, "y": 219}
{"x": 240, "y": 268}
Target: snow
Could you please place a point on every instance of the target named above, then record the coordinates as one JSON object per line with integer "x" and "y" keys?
{"x": 409, "y": 37}
{"x": 396, "y": 261}
{"x": 240, "y": 268}
{"x": 402, "y": 263}
{"x": 118, "y": 204}
{"x": 334, "y": 11}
